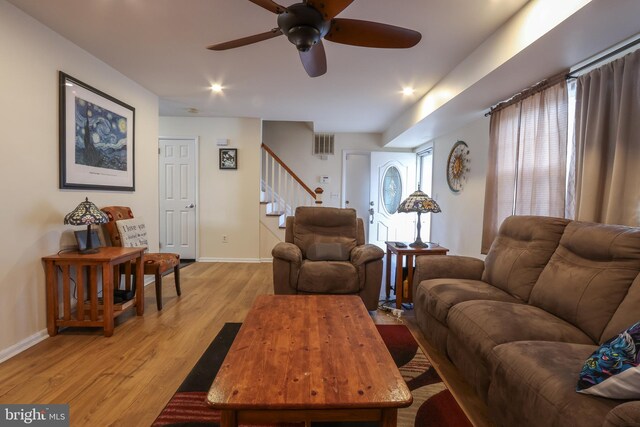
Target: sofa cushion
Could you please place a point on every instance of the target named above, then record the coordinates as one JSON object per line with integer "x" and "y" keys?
{"x": 312, "y": 225}
{"x": 328, "y": 277}
{"x": 533, "y": 384}
{"x": 589, "y": 275}
{"x": 442, "y": 294}
{"x": 477, "y": 327}
{"x": 482, "y": 325}
{"x": 627, "y": 312}
{"x": 613, "y": 370}
{"x": 520, "y": 252}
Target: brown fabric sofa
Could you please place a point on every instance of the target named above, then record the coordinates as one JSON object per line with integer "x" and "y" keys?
{"x": 324, "y": 252}
{"x": 520, "y": 325}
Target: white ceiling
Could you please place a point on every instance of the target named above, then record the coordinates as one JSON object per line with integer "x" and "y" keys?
{"x": 161, "y": 44}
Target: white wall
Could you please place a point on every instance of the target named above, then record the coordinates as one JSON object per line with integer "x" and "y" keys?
{"x": 33, "y": 206}
{"x": 228, "y": 200}
{"x": 459, "y": 225}
{"x": 293, "y": 143}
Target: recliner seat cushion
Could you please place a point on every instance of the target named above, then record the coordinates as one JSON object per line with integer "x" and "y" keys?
{"x": 330, "y": 277}
{"x": 589, "y": 275}
{"x": 538, "y": 378}
{"x": 521, "y": 251}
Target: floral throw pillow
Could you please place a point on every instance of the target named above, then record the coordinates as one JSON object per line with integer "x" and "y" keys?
{"x": 613, "y": 370}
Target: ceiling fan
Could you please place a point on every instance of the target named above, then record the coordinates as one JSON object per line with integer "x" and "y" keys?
{"x": 305, "y": 24}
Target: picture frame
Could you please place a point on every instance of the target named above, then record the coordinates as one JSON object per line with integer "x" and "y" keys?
{"x": 228, "y": 158}
{"x": 81, "y": 239}
{"x": 96, "y": 138}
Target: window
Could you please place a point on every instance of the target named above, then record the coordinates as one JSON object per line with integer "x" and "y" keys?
{"x": 425, "y": 179}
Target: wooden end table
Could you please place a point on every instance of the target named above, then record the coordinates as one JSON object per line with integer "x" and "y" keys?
{"x": 303, "y": 358}
{"x": 408, "y": 253}
{"x": 90, "y": 311}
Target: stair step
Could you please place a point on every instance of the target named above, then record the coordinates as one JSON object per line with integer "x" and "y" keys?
{"x": 276, "y": 213}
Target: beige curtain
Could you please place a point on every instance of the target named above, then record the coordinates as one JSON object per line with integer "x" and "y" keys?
{"x": 501, "y": 171}
{"x": 527, "y": 160}
{"x": 607, "y": 171}
{"x": 542, "y": 157}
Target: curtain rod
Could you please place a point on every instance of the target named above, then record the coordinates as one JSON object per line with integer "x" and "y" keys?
{"x": 602, "y": 58}
{"x": 527, "y": 92}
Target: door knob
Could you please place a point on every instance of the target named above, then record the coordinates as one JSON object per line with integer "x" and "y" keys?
{"x": 190, "y": 206}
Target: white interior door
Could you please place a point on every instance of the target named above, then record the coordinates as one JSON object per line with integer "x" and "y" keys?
{"x": 356, "y": 184}
{"x": 177, "y": 169}
{"x": 393, "y": 178}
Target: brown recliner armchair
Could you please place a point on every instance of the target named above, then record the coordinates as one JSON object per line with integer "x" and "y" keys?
{"x": 324, "y": 252}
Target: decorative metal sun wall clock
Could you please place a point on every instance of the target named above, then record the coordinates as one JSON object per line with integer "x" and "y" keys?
{"x": 458, "y": 166}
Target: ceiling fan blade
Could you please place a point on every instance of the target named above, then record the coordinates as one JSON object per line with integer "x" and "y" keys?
{"x": 270, "y": 5}
{"x": 371, "y": 34}
{"x": 314, "y": 60}
{"x": 329, "y": 8}
{"x": 246, "y": 40}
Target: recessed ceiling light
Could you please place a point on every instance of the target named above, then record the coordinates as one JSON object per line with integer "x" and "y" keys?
{"x": 216, "y": 87}
{"x": 406, "y": 91}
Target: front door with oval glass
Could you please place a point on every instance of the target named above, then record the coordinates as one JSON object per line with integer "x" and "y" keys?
{"x": 393, "y": 178}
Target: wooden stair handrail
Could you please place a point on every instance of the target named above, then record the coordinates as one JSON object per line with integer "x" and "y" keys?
{"x": 285, "y": 167}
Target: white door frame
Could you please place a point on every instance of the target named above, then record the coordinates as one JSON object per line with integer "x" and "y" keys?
{"x": 196, "y": 140}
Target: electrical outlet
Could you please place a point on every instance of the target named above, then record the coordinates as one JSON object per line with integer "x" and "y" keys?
{"x": 225, "y": 238}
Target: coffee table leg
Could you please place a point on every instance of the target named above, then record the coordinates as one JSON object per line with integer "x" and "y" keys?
{"x": 228, "y": 418}
{"x": 389, "y": 417}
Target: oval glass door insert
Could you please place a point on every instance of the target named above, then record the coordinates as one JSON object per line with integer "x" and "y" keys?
{"x": 391, "y": 190}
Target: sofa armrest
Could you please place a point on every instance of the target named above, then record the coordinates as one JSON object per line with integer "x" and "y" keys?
{"x": 447, "y": 266}
{"x": 624, "y": 415}
{"x": 287, "y": 252}
{"x": 363, "y": 254}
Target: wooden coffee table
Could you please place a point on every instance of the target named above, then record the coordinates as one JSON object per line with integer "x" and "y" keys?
{"x": 308, "y": 358}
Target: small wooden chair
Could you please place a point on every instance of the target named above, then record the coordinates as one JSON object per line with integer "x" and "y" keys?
{"x": 157, "y": 264}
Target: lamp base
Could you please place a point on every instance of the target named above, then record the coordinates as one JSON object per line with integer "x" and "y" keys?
{"x": 419, "y": 244}
{"x": 89, "y": 251}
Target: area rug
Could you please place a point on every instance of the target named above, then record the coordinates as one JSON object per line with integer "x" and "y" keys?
{"x": 433, "y": 405}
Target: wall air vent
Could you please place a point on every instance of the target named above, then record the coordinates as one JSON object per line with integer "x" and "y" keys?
{"x": 323, "y": 145}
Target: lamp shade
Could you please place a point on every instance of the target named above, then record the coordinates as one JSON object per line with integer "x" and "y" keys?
{"x": 86, "y": 213}
{"x": 419, "y": 202}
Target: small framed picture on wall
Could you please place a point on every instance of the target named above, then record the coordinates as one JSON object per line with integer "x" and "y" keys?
{"x": 228, "y": 158}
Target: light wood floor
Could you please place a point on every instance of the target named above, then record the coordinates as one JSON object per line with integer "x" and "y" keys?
{"x": 127, "y": 379}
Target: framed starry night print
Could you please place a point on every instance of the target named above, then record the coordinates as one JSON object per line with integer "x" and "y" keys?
{"x": 96, "y": 138}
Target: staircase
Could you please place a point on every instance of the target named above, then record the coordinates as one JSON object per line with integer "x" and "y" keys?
{"x": 281, "y": 192}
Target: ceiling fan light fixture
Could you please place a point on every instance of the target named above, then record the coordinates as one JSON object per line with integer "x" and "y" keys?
{"x": 304, "y": 37}
{"x": 216, "y": 88}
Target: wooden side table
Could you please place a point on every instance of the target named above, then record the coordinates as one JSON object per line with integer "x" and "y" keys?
{"x": 89, "y": 310}
{"x": 409, "y": 254}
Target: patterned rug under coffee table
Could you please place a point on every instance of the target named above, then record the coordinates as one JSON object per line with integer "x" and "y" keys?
{"x": 433, "y": 405}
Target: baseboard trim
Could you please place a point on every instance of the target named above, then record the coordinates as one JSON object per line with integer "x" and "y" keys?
{"x": 251, "y": 260}
{"x": 40, "y": 336}
{"x": 21, "y": 346}
{"x": 269, "y": 260}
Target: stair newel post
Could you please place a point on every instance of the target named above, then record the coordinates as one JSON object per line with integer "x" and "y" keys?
{"x": 319, "y": 192}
